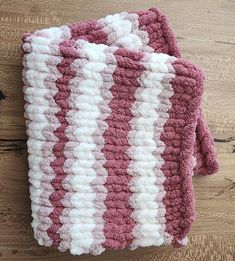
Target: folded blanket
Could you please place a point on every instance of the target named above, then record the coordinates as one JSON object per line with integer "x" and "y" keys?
{"x": 115, "y": 132}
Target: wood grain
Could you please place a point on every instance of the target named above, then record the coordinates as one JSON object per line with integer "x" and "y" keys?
{"x": 206, "y": 35}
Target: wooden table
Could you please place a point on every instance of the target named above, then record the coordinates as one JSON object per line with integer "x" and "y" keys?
{"x": 206, "y": 35}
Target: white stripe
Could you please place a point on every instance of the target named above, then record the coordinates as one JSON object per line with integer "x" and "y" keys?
{"x": 41, "y": 41}
{"x": 34, "y": 79}
{"x": 143, "y": 184}
{"x": 82, "y": 229}
{"x": 122, "y": 30}
{"x": 34, "y": 164}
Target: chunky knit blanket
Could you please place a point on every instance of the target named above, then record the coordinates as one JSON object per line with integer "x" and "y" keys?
{"x": 115, "y": 133}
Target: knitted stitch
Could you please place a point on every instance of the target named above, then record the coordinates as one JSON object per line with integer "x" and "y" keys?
{"x": 112, "y": 114}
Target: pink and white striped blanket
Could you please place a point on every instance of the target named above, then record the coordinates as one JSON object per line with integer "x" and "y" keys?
{"x": 115, "y": 133}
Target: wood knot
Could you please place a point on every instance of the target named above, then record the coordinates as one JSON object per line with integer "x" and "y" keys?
{"x": 2, "y": 96}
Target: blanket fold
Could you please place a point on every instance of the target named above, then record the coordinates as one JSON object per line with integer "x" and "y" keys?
{"x": 115, "y": 133}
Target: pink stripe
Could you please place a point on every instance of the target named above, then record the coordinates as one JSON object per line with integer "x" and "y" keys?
{"x": 161, "y": 37}
{"x": 179, "y": 198}
{"x": 204, "y": 150}
{"x": 90, "y": 31}
{"x": 69, "y": 147}
{"x": 99, "y": 182}
{"x": 118, "y": 220}
{"x": 46, "y": 163}
{"x": 58, "y": 163}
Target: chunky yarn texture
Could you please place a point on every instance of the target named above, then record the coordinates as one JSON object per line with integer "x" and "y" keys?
{"x": 115, "y": 133}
